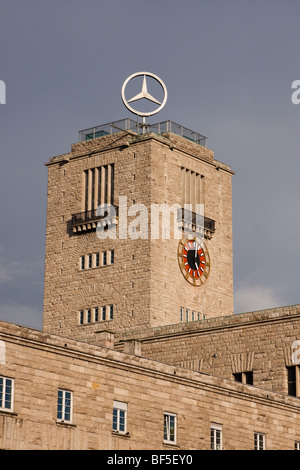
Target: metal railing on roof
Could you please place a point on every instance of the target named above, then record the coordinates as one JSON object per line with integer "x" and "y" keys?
{"x": 141, "y": 128}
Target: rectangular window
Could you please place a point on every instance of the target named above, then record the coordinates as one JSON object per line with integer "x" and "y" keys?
{"x": 293, "y": 378}
{"x": 186, "y": 315}
{"x": 88, "y": 317}
{"x": 104, "y": 258}
{"x": 103, "y": 309}
{"x": 244, "y": 377}
{"x": 112, "y": 256}
{"x": 81, "y": 317}
{"x": 181, "y": 314}
{"x": 199, "y": 316}
{"x": 90, "y": 261}
{"x": 64, "y": 406}
{"x": 120, "y": 417}
{"x": 193, "y": 316}
{"x": 111, "y": 312}
{"x": 6, "y": 393}
{"x": 97, "y": 260}
{"x": 98, "y": 187}
{"x": 96, "y": 314}
{"x": 215, "y": 437}
{"x": 82, "y": 262}
{"x": 170, "y": 427}
{"x": 259, "y": 441}
{"x": 297, "y": 445}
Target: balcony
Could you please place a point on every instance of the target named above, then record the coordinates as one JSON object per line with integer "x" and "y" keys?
{"x": 142, "y": 128}
{"x": 89, "y": 220}
{"x": 195, "y": 223}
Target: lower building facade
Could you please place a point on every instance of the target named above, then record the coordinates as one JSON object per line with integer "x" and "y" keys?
{"x": 60, "y": 393}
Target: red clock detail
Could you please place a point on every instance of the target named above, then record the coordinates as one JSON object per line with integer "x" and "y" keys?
{"x": 194, "y": 261}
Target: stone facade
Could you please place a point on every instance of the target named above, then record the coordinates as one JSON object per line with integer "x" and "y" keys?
{"x": 260, "y": 342}
{"x": 40, "y": 364}
{"x": 145, "y": 284}
{"x": 132, "y": 356}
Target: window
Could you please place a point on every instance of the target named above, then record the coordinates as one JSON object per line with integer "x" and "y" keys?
{"x": 120, "y": 417}
{"x": 297, "y": 445}
{"x": 64, "y": 406}
{"x": 111, "y": 312}
{"x": 90, "y": 261}
{"x": 259, "y": 441}
{"x": 244, "y": 377}
{"x": 181, "y": 314}
{"x": 96, "y": 314}
{"x": 104, "y": 258}
{"x": 293, "y": 381}
{"x": 112, "y": 256}
{"x": 170, "y": 427}
{"x": 6, "y": 393}
{"x": 199, "y": 316}
{"x": 103, "y": 313}
{"x": 97, "y": 260}
{"x": 216, "y": 436}
{"x": 186, "y": 315}
{"x": 88, "y": 319}
{"x": 193, "y": 316}
{"x": 98, "y": 187}
{"x": 82, "y": 262}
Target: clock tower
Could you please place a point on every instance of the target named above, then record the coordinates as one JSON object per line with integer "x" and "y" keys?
{"x": 139, "y": 230}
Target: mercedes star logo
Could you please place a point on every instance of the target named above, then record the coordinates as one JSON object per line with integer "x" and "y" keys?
{"x": 144, "y": 94}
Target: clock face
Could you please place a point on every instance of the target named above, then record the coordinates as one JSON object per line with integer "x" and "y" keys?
{"x": 194, "y": 261}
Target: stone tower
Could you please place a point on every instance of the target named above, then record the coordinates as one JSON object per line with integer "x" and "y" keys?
{"x": 119, "y": 270}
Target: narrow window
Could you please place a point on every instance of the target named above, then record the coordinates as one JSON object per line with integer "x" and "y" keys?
{"x": 104, "y": 258}
{"x": 64, "y": 406}
{"x": 112, "y": 256}
{"x": 82, "y": 262}
{"x": 170, "y": 427}
{"x": 103, "y": 313}
{"x": 97, "y": 260}
{"x": 199, "y": 316}
{"x": 111, "y": 312}
{"x": 186, "y": 315}
{"x": 96, "y": 314}
{"x": 204, "y": 316}
{"x": 215, "y": 437}
{"x": 297, "y": 445}
{"x": 293, "y": 378}
{"x": 193, "y": 316}
{"x": 6, "y": 393}
{"x": 181, "y": 314}
{"x": 90, "y": 261}
{"x": 119, "y": 417}
{"x": 88, "y": 317}
{"x": 81, "y": 317}
{"x": 244, "y": 377}
{"x": 259, "y": 441}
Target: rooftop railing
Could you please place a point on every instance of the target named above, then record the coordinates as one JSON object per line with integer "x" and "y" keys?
{"x": 141, "y": 128}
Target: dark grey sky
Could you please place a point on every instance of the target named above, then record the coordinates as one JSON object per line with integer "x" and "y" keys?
{"x": 228, "y": 66}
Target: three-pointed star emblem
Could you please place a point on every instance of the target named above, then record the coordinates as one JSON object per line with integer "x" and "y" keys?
{"x": 144, "y": 94}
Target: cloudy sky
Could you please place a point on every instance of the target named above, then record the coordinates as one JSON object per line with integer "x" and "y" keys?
{"x": 228, "y": 66}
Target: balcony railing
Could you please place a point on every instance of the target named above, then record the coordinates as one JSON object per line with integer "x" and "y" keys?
{"x": 142, "y": 128}
{"x": 88, "y": 220}
{"x": 191, "y": 221}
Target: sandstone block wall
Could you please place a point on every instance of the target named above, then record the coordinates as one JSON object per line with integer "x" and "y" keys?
{"x": 40, "y": 363}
